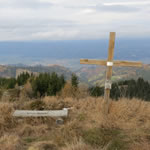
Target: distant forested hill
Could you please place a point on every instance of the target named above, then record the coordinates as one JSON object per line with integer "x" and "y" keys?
{"x": 96, "y": 74}
{"x": 13, "y": 71}
{"x": 92, "y": 75}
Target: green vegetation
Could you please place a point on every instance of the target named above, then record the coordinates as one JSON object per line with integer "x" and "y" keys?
{"x": 96, "y": 91}
{"x": 52, "y": 84}
{"x": 7, "y": 83}
{"x": 101, "y": 137}
{"x": 22, "y": 78}
{"x": 129, "y": 88}
{"x": 47, "y": 84}
{"x": 74, "y": 81}
{"x": 11, "y": 82}
{"x": 37, "y": 105}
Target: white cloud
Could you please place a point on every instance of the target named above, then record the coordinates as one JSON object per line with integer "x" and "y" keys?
{"x": 87, "y": 11}
{"x": 57, "y": 34}
{"x": 127, "y": 3}
{"x": 72, "y": 19}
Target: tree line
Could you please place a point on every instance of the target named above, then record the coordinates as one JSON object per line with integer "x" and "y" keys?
{"x": 51, "y": 84}
{"x": 128, "y": 88}
{"x": 10, "y": 83}
{"x": 43, "y": 84}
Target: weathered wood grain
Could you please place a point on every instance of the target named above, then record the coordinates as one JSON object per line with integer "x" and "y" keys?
{"x": 127, "y": 63}
{"x": 93, "y": 62}
{"x": 109, "y": 69}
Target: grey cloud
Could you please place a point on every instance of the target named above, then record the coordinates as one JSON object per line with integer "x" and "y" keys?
{"x": 52, "y": 21}
{"x": 113, "y": 8}
{"x": 117, "y": 8}
{"x": 41, "y": 24}
{"x": 33, "y": 4}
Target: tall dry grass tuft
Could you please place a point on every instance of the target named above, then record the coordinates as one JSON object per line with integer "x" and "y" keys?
{"x": 10, "y": 142}
{"x": 26, "y": 130}
{"x": 27, "y": 92}
{"x": 140, "y": 145}
{"x": 123, "y": 114}
{"x": 10, "y": 95}
{"x": 46, "y": 145}
{"x": 6, "y": 118}
{"x": 88, "y": 111}
{"x": 129, "y": 114}
{"x": 79, "y": 145}
{"x": 68, "y": 91}
{"x": 57, "y": 103}
{"x": 73, "y": 92}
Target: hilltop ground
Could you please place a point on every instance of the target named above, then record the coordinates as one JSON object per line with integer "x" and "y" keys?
{"x": 127, "y": 127}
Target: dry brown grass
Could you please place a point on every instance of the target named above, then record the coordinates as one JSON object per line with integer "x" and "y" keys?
{"x": 72, "y": 92}
{"x": 128, "y": 123}
{"x": 57, "y": 103}
{"x": 26, "y": 92}
{"x": 10, "y": 142}
{"x": 129, "y": 114}
{"x": 6, "y": 119}
{"x": 29, "y": 130}
{"x": 43, "y": 146}
{"x": 79, "y": 145}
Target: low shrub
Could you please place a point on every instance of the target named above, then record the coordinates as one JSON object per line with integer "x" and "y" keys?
{"x": 101, "y": 137}
{"x": 37, "y": 105}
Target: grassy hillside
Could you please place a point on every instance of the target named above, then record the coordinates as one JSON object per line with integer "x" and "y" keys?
{"x": 96, "y": 74}
{"x": 127, "y": 127}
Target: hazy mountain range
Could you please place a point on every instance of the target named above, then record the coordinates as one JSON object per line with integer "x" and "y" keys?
{"x": 63, "y": 57}
{"x": 93, "y": 75}
{"x": 68, "y": 53}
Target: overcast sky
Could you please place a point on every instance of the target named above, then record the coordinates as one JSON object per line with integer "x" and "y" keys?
{"x": 73, "y": 19}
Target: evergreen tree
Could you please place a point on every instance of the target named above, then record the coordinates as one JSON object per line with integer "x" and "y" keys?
{"x": 22, "y": 78}
{"x": 74, "y": 81}
{"x": 11, "y": 83}
{"x": 96, "y": 91}
{"x": 7, "y": 83}
{"x": 115, "y": 91}
{"x": 47, "y": 84}
{"x": 129, "y": 88}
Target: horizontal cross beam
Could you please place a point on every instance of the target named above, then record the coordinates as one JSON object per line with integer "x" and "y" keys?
{"x": 93, "y": 62}
{"x": 114, "y": 63}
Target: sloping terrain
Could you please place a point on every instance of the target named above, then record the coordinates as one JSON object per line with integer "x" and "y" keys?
{"x": 91, "y": 75}
{"x": 96, "y": 74}
{"x": 127, "y": 127}
{"x": 13, "y": 71}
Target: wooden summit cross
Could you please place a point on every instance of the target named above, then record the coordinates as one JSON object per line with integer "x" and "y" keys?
{"x": 110, "y": 63}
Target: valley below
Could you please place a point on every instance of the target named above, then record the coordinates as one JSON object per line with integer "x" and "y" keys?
{"x": 90, "y": 75}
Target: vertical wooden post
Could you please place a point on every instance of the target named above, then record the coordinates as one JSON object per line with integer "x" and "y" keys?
{"x": 110, "y": 63}
{"x": 109, "y": 70}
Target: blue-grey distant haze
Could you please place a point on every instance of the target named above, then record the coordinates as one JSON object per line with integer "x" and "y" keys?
{"x": 53, "y": 52}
